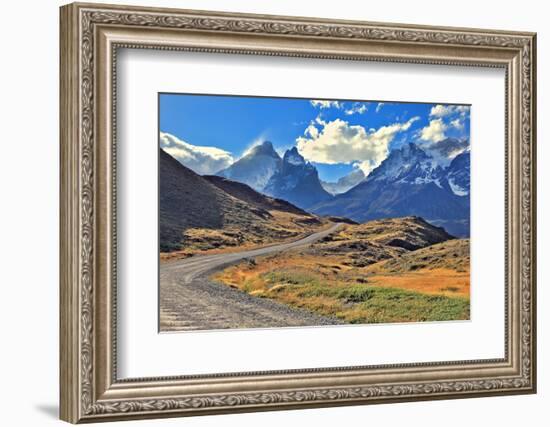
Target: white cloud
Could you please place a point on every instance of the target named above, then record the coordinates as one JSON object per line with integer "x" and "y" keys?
{"x": 357, "y": 108}
{"x": 339, "y": 142}
{"x": 440, "y": 111}
{"x": 447, "y": 110}
{"x": 312, "y": 131}
{"x": 462, "y": 109}
{"x": 379, "y": 106}
{"x": 202, "y": 160}
{"x": 436, "y": 143}
{"x": 457, "y": 124}
{"x": 434, "y": 132}
{"x": 323, "y": 103}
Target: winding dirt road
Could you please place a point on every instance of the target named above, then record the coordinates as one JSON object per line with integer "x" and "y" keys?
{"x": 190, "y": 301}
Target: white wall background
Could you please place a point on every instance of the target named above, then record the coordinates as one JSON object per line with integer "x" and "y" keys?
{"x": 29, "y": 170}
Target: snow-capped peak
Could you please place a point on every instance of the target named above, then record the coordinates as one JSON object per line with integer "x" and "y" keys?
{"x": 293, "y": 157}
{"x": 256, "y": 167}
{"x": 264, "y": 148}
{"x": 409, "y": 164}
{"x": 458, "y": 174}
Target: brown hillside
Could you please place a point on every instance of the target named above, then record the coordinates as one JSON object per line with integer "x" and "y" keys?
{"x": 410, "y": 232}
{"x": 248, "y": 194}
{"x": 197, "y": 215}
{"x": 452, "y": 254}
{"x": 358, "y": 274}
{"x": 374, "y": 241}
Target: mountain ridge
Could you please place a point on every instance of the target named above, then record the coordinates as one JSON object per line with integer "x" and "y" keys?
{"x": 289, "y": 178}
{"x": 196, "y": 214}
{"x": 344, "y": 183}
{"x": 297, "y": 181}
{"x": 407, "y": 182}
{"x": 246, "y": 193}
{"x": 256, "y": 167}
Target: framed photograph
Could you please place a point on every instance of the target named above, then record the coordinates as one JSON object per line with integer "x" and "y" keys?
{"x": 266, "y": 212}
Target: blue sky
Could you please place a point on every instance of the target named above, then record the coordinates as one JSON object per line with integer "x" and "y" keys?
{"x": 335, "y": 136}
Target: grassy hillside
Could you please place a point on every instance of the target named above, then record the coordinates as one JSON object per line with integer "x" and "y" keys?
{"x": 367, "y": 274}
{"x": 197, "y": 215}
{"x": 452, "y": 255}
{"x": 409, "y": 233}
{"x": 360, "y": 245}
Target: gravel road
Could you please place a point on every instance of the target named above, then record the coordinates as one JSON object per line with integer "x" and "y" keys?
{"x": 190, "y": 301}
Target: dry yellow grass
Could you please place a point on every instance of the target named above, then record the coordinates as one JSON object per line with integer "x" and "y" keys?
{"x": 383, "y": 271}
{"x": 452, "y": 255}
{"x": 436, "y": 282}
{"x": 380, "y": 292}
{"x": 283, "y": 227}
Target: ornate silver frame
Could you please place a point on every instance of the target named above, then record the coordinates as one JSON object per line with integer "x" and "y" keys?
{"x": 90, "y": 36}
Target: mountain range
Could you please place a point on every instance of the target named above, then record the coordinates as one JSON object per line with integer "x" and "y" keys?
{"x": 409, "y": 182}
{"x": 297, "y": 181}
{"x": 345, "y": 183}
{"x": 256, "y": 167}
{"x": 209, "y": 212}
{"x": 458, "y": 174}
{"x": 290, "y": 178}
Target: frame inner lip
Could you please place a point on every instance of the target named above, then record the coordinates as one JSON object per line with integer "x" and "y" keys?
{"x": 341, "y": 370}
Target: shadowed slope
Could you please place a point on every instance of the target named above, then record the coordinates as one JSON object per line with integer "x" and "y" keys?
{"x": 248, "y": 194}
{"x": 198, "y": 215}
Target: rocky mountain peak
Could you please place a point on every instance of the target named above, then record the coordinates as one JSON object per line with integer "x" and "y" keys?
{"x": 407, "y": 164}
{"x": 344, "y": 183}
{"x": 297, "y": 181}
{"x": 264, "y": 148}
{"x": 409, "y": 182}
{"x": 293, "y": 157}
{"x": 458, "y": 174}
{"x": 256, "y": 167}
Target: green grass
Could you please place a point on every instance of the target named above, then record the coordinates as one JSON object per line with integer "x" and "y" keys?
{"x": 362, "y": 303}
{"x": 290, "y": 277}
{"x": 398, "y": 305}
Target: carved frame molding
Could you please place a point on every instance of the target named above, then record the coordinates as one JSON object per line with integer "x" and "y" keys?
{"x": 90, "y": 37}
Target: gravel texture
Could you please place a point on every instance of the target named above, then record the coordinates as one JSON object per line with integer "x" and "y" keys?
{"x": 190, "y": 301}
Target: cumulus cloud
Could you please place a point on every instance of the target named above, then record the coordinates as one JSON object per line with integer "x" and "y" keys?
{"x": 445, "y": 120}
{"x": 356, "y": 108}
{"x": 379, "y": 106}
{"x": 434, "y": 132}
{"x": 312, "y": 131}
{"x": 447, "y": 110}
{"x": 457, "y": 124}
{"x": 324, "y": 103}
{"x": 202, "y": 160}
{"x": 339, "y": 142}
